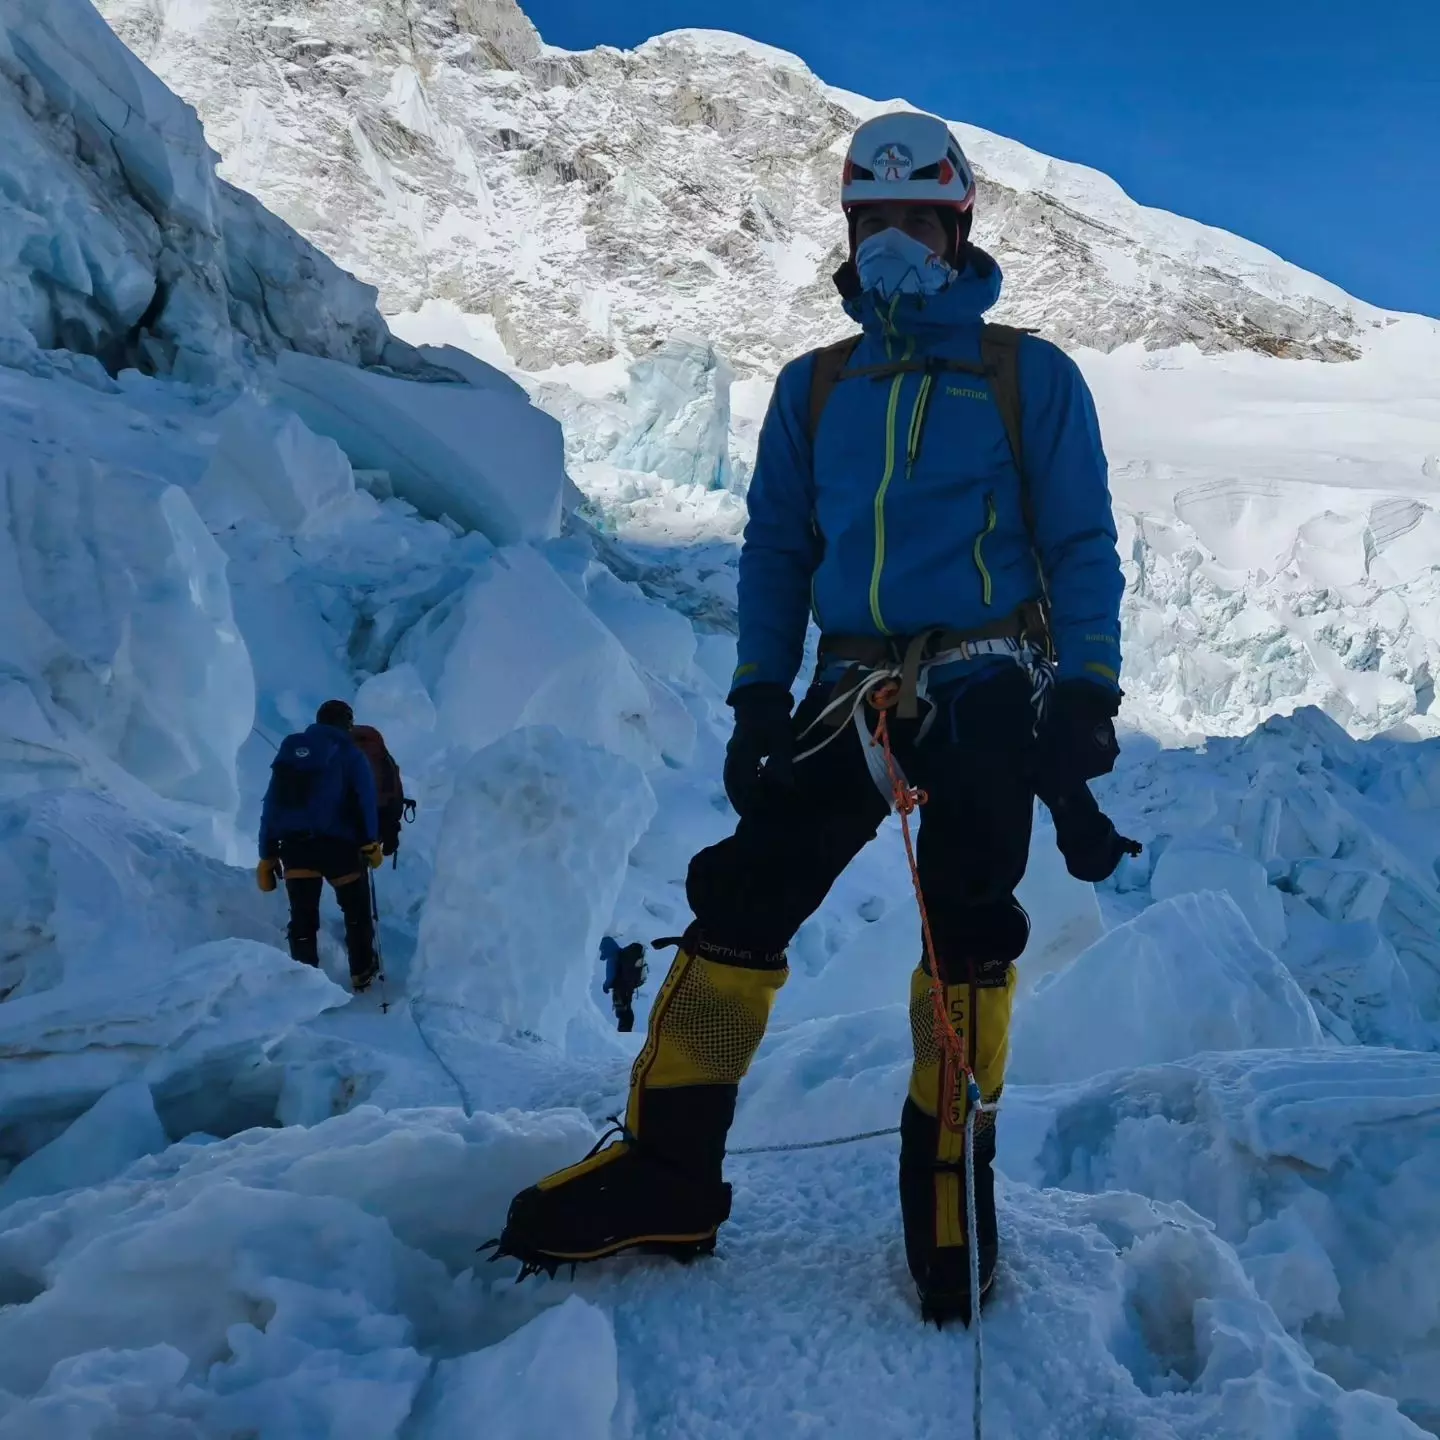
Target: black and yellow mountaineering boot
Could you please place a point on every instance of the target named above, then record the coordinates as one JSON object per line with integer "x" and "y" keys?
{"x": 658, "y": 1187}
{"x": 932, "y": 1140}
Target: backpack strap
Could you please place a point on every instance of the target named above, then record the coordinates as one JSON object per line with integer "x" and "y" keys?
{"x": 829, "y": 363}
{"x": 1000, "y": 355}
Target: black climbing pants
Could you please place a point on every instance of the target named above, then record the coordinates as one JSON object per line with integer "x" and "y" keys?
{"x": 308, "y": 862}
{"x": 753, "y": 891}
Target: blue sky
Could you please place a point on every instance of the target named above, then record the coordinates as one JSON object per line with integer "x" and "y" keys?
{"x": 1309, "y": 127}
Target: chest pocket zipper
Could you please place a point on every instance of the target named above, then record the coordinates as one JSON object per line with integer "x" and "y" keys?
{"x": 918, "y": 416}
{"x": 991, "y": 518}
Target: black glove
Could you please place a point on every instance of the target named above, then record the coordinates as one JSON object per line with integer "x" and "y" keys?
{"x": 1085, "y": 836}
{"x": 762, "y": 734}
{"x": 1077, "y": 741}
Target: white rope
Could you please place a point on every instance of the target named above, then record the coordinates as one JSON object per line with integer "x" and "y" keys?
{"x": 973, "y": 1107}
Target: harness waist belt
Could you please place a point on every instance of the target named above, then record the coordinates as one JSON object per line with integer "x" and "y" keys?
{"x": 911, "y": 652}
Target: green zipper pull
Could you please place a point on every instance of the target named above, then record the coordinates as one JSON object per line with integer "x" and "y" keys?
{"x": 917, "y": 423}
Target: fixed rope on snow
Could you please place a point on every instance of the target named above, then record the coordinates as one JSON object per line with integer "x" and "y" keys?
{"x": 812, "y": 1144}
{"x": 465, "y": 1102}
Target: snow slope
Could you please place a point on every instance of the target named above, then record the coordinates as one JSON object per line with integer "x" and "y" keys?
{"x": 236, "y": 1202}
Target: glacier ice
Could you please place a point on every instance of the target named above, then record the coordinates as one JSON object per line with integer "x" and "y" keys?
{"x": 90, "y": 891}
{"x": 1183, "y": 869}
{"x": 484, "y": 456}
{"x": 268, "y": 466}
{"x": 117, "y": 595}
{"x": 530, "y": 861}
{"x": 1126, "y": 1001}
{"x": 561, "y": 667}
{"x": 677, "y": 410}
{"x": 284, "y": 1281}
{"x": 1316, "y": 1166}
{"x": 516, "y": 1388}
{"x": 196, "y": 1026}
{"x": 118, "y": 1129}
{"x": 122, "y": 244}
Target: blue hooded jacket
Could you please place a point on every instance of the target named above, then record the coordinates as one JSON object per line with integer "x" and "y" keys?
{"x": 320, "y": 784}
{"x": 906, "y": 512}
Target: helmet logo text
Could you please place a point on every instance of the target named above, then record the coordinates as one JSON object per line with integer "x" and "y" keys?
{"x": 893, "y": 162}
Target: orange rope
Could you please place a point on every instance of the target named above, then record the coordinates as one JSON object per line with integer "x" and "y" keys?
{"x": 908, "y": 799}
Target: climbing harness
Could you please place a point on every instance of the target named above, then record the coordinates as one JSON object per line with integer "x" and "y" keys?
{"x": 906, "y": 667}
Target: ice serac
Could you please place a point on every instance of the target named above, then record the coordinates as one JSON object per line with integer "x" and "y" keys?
{"x": 1345, "y": 834}
{"x": 1191, "y": 869}
{"x": 484, "y": 456}
{"x": 118, "y": 609}
{"x": 519, "y": 647}
{"x": 1184, "y": 976}
{"x": 120, "y": 242}
{"x": 119, "y": 1128}
{"x": 531, "y": 858}
{"x": 196, "y": 1027}
{"x": 269, "y": 466}
{"x": 678, "y": 406}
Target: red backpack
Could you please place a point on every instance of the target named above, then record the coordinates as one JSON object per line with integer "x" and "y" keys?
{"x": 389, "y": 788}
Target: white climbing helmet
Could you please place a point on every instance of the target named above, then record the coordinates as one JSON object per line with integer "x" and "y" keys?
{"x": 909, "y": 157}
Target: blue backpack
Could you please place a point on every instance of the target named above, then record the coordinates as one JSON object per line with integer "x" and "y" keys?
{"x": 309, "y": 788}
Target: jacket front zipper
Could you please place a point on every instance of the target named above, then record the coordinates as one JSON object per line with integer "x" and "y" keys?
{"x": 879, "y": 567}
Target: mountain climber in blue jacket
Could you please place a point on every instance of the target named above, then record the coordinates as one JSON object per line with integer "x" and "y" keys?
{"x": 933, "y": 493}
{"x": 320, "y": 822}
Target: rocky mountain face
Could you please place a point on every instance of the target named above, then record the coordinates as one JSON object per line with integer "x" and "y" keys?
{"x": 595, "y": 204}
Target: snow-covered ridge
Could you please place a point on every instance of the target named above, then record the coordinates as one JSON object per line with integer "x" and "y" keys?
{"x": 593, "y": 203}
{"x": 1090, "y": 192}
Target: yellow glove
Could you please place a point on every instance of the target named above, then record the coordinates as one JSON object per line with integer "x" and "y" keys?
{"x": 374, "y": 854}
{"x": 265, "y": 875}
